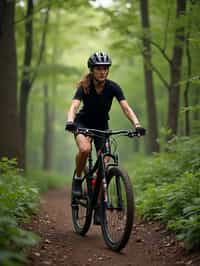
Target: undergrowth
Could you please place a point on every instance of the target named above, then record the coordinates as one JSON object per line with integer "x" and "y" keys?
{"x": 19, "y": 198}
{"x": 167, "y": 188}
{"x": 18, "y": 201}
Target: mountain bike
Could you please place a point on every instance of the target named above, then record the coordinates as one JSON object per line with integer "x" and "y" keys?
{"x": 112, "y": 184}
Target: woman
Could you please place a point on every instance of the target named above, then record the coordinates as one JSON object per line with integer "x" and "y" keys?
{"x": 96, "y": 92}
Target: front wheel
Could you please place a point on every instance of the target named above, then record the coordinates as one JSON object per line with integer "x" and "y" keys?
{"x": 118, "y": 213}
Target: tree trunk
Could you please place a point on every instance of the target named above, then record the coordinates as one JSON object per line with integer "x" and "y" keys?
{"x": 49, "y": 111}
{"x": 186, "y": 91}
{"x": 47, "y": 137}
{"x": 26, "y": 81}
{"x": 196, "y": 113}
{"x": 189, "y": 74}
{"x": 175, "y": 72}
{"x": 10, "y": 135}
{"x": 152, "y": 132}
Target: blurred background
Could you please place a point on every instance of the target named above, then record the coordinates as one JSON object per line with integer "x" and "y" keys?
{"x": 154, "y": 47}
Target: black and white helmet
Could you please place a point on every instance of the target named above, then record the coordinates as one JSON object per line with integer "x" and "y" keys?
{"x": 98, "y": 59}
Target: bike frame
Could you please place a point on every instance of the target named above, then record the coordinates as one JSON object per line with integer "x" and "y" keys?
{"x": 100, "y": 165}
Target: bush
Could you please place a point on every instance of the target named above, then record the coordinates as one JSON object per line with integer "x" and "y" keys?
{"x": 168, "y": 188}
{"x": 18, "y": 201}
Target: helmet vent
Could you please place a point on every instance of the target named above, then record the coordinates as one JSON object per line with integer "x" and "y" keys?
{"x": 99, "y": 58}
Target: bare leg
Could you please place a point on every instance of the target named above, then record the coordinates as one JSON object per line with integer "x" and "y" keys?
{"x": 84, "y": 146}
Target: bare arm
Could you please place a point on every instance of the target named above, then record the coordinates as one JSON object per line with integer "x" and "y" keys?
{"x": 72, "y": 110}
{"x": 129, "y": 113}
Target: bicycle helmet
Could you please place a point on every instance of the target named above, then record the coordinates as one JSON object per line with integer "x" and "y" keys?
{"x": 98, "y": 59}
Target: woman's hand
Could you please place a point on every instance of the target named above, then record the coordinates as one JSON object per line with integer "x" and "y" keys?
{"x": 71, "y": 126}
{"x": 140, "y": 130}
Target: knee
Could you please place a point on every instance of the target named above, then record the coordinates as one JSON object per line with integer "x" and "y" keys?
{"x": 85, "y": 150}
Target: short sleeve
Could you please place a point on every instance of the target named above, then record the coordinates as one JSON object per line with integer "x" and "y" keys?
{"x": 119, "y": 93}
{"x": 78, "y": 94}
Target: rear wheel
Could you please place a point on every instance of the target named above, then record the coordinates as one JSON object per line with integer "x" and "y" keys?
{"x": 81, "y": 216}
{"x": 118, "y": 215}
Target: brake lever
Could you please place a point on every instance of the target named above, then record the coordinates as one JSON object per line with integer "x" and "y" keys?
{"x": 132, "y": 134}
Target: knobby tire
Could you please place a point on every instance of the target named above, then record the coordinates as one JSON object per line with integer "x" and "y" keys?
{"x": 117, "y": 245}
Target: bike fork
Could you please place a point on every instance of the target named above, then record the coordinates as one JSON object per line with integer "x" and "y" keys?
{"x": 105, "y": 191}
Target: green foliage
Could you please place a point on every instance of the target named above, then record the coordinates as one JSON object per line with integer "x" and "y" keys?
{"x": 168, "y": 189}
{"x": 46, "y": 70}
{"x": 47, "y": 180}
{"x": 18, "y": 201}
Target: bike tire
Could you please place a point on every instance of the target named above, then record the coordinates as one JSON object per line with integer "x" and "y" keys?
{"x": 114, "y": 174}
{"x": 81, "y": 216}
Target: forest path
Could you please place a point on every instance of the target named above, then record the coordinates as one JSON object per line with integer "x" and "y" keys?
{"x": 149, "y": 244}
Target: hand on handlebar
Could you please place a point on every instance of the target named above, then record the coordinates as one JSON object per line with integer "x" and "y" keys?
{"x": 71, "y": 126}
{"x": 140, "y": 131}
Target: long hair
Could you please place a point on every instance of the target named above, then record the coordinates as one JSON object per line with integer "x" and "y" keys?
{"x": 85, "y": 82}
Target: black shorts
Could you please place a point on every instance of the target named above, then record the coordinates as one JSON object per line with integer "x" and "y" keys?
{"x": 98, "y": 142}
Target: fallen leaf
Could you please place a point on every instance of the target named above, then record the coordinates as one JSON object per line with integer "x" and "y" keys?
{"x": 47, "y": 262}
{"x": 189, "y": 262}
{"x": 37, "y": 254}
{"x": 180, "y": 262}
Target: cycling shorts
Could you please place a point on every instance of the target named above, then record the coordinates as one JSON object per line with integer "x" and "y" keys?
{"x": 98, "y": 142}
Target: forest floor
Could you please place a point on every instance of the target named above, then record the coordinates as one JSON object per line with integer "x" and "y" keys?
{"x": 149, "y": 245}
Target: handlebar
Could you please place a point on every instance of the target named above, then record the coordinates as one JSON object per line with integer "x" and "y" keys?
{"x": 107, "y": 133}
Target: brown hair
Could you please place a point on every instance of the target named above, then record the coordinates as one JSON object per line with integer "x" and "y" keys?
{"x": 85, "y": 83}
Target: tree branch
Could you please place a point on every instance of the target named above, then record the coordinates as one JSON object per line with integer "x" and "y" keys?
{"x": 162, "y": 51}
{"x": 159, "y": 75}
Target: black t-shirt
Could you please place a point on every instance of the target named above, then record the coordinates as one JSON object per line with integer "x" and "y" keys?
{"x": 96, "y": 107}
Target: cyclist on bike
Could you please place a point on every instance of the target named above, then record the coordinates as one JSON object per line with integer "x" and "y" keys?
{"x": 96, "y": 92}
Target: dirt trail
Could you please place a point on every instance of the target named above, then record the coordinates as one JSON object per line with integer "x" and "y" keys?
{"x": 149, "y": 245}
